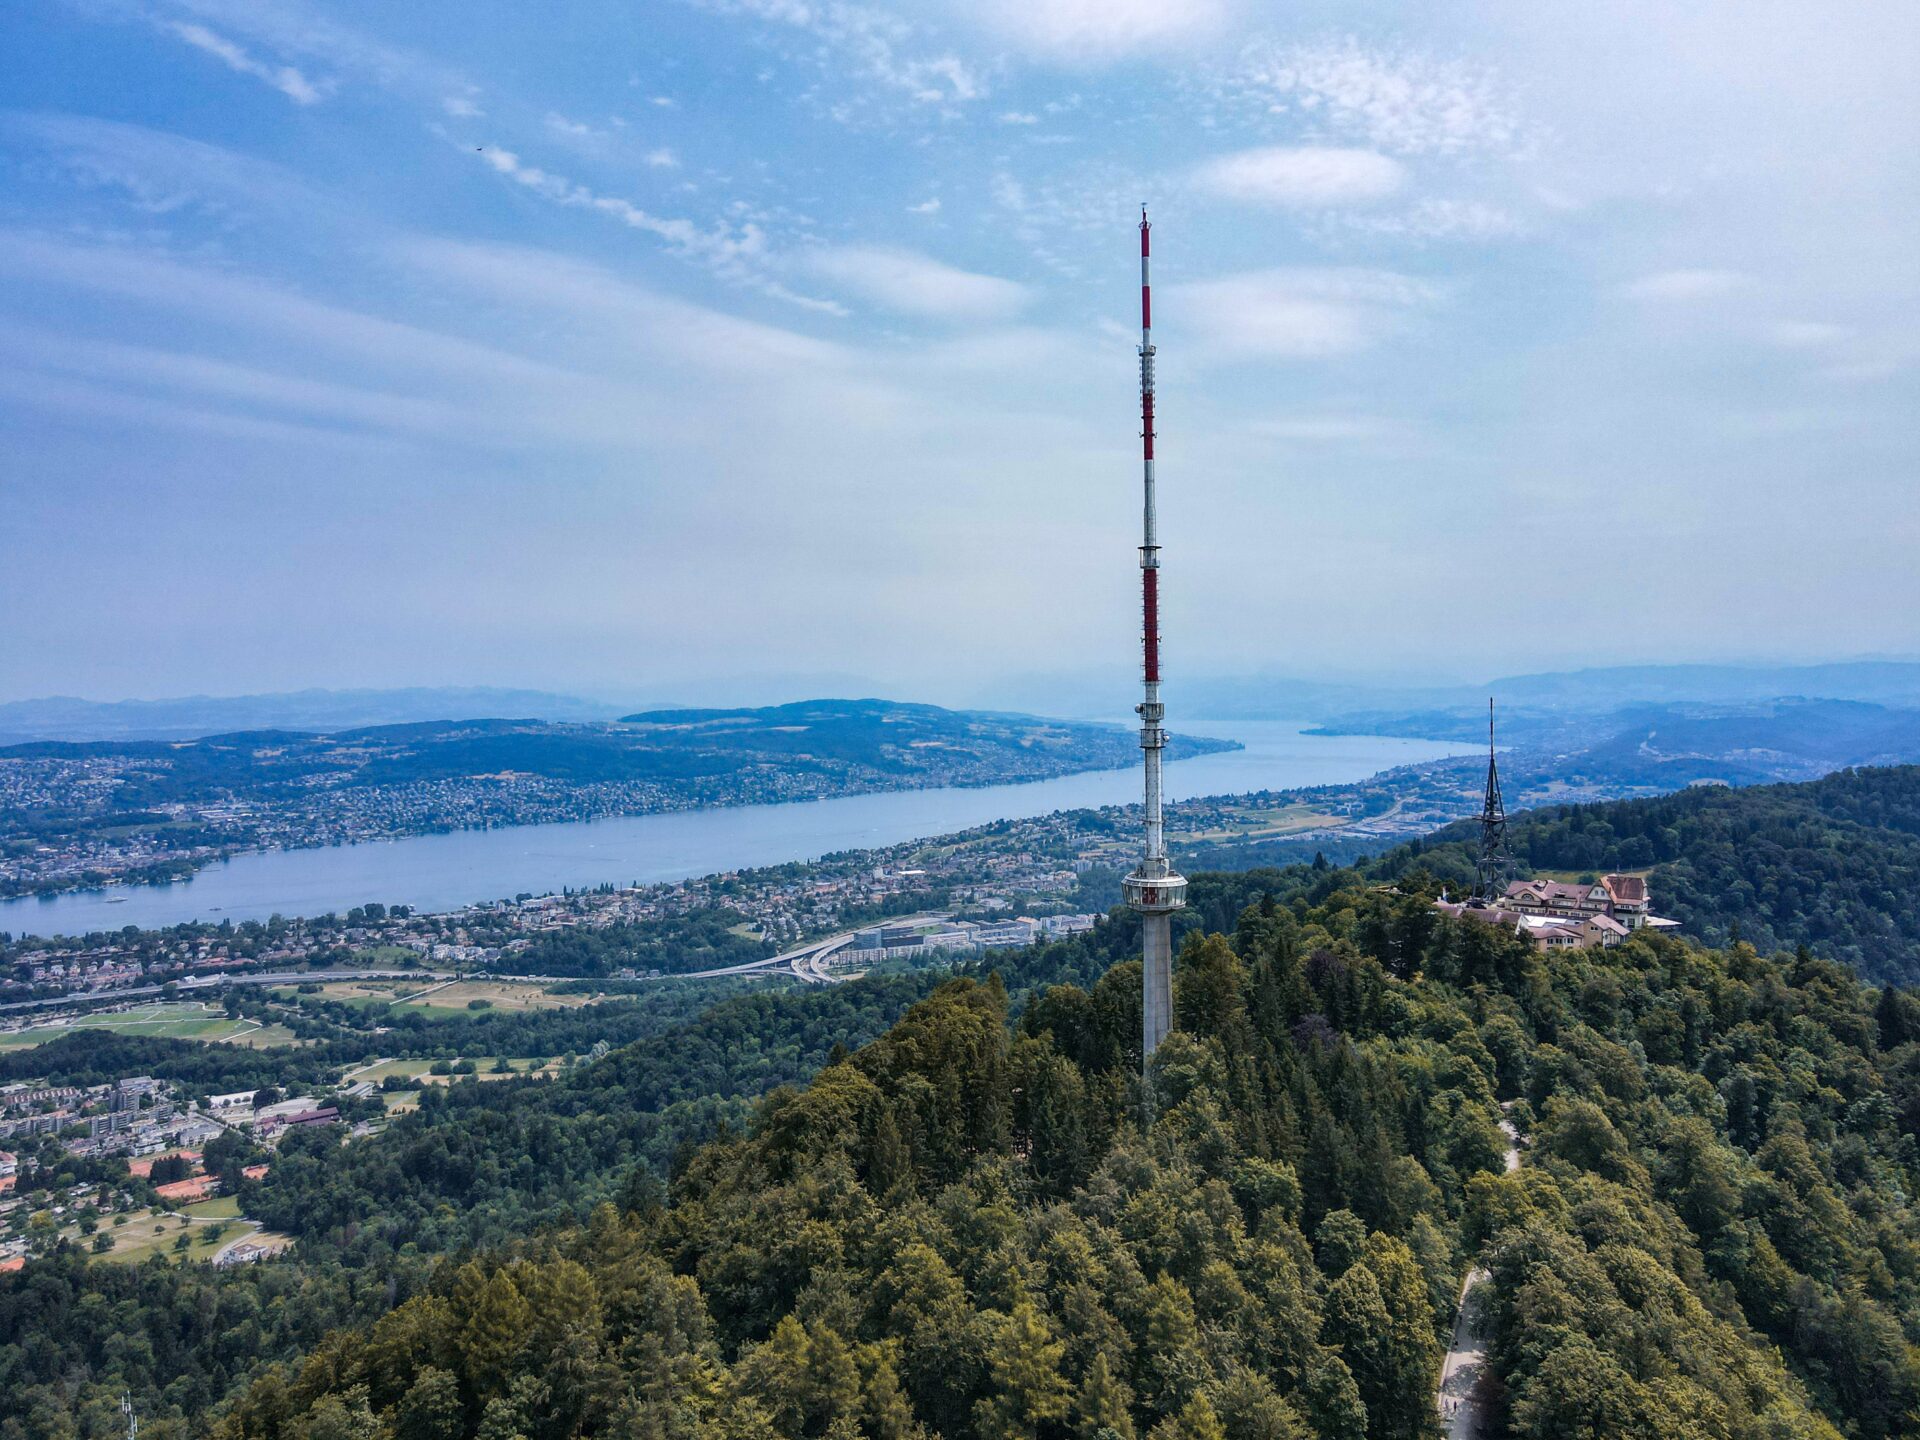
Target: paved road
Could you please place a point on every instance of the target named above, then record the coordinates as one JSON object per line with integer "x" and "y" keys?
{"x": 1461, "y": 1413}
{"x": 808, "y": 962}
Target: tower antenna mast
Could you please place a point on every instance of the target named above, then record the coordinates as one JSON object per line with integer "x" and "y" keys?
{"x": 1153, "y": 890}
{"x": 1495, "y": 865}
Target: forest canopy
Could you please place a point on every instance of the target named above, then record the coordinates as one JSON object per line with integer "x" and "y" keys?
{"x": 962, "y": 1227}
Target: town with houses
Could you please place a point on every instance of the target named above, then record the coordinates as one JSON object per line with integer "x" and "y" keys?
{"x": 149, "y": 1150}
{"x": 144, "y": 1145}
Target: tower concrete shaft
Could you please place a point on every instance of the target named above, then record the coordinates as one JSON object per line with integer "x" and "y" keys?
{"x": 1153, "y": 889}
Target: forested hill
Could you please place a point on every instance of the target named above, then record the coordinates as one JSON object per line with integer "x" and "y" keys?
{"x": 1833, "y": 864}
{"x": 962, "y": 1229}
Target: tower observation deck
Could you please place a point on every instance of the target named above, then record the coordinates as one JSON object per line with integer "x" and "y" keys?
{"x": 1154, "y": 890}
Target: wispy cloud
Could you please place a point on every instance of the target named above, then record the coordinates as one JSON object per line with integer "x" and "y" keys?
{"x": 1806, "y": 334}
{"x": 1685, "y": 285}
{"x": 162, "y": 173}
{"x": 571, "y": 129}
{"x": 870, "y": 42}
{"x": 1403, "y": 102}
{"x": 1089, "y": 31}
{"x": 1438, "y": 218}
{"x": 1303, "y": 176}
{"x": 737, "y": 253}
{"x": 1299, "y": 314}
{"x": 929, "y": 206}
{"x": 917, "y": 285}
{"x": 284, "y": 78}
{"x": 296, "y": 28}
{"x": 1319, "y": 429}
{"x": 461, "y": 107}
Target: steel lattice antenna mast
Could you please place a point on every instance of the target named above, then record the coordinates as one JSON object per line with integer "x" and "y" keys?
{"x": 133, "y": 1420}
{"x": 1153, "y": 889}
{"x": 1495, "y": 865}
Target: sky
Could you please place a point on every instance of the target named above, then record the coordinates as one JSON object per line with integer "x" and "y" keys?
{"x": 731, "y": 350}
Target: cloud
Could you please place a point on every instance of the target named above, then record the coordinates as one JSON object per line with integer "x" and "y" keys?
{"x": 293, "y": 27}
{"x": 913, "y": 284}
{"x": 1018, "y": 117}
{"x": 1685, "y": 285}
{"x": 1303, "y": 176}
{"x": 1806, "y": 334}
{"x": 461, "y": 107}
{"x": 1435, "y": 218}
{"x": 1402, "y": 102}
{"x": 284, "y": 78}
{"x": 1318, "y": 429}
{"x": 572, "y": 129}
{"x": 929, "y": 206}
{"x": 872, "y": 42}
{"x": 163, "y": 173}
{"x": 736, "y": 253}
{"x": 1298, "y": 314}
{"x": 1080, "y": 31}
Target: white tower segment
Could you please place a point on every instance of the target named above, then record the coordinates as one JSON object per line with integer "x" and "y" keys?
{"x": 1153, "y": 889}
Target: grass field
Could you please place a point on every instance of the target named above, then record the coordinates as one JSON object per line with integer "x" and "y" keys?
{"x": 210, "y": 1226}
{"x": 1263, "y": 822}
{"x": 182, "y": 1020}
{"x": 419, "y": 1071}
{"x": 437, "y": 1000}
{"x": 455, "y": 997}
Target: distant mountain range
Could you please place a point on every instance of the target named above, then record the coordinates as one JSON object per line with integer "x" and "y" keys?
{"x": 318, "y": 711}
{"x": 1343, "y": 707}
{"x": 1597, "y": 691}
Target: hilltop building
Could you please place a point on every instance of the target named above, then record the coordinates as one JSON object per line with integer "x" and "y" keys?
{"x": 1563, "y": 915}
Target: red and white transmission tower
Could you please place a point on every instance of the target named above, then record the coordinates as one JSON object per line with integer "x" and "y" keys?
{"x": 1153, "y": 889}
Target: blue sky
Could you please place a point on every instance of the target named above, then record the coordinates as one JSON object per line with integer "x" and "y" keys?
{"x": 731, "y": 348}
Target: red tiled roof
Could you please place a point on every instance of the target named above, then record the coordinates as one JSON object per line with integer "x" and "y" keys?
{"x": 1627, "y": 889}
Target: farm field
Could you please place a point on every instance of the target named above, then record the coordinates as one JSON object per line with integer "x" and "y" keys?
{"x": 181, "y": 1019}
{"x": 437, "y": 999}
{"x": 457, "y": 997}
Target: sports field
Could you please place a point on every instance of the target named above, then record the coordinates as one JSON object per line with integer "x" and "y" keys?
{"x": 179, "y": 1019}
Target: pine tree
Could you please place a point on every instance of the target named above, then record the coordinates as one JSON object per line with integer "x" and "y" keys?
{"x": 1196, "y": 1421}
{"x": 889, "y": 1161}
{"x": 1027, "y": 1389}
{"x": 1170, "y": 1359}
{"x": 833, "y": 1379}
{"x": 1101, "y": 1409}
{"x": 494, "y": 1329}
{"x": 431, "y": 1409}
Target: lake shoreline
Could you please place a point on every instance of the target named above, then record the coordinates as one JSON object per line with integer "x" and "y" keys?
{"x": 445, "y": 871}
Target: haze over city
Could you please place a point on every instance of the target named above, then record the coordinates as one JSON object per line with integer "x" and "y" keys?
{"x": 759, "y": 348}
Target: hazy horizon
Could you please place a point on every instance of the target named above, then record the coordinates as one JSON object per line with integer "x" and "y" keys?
{"x": 1022, "y": 692}
{"x": 703, "y": 346}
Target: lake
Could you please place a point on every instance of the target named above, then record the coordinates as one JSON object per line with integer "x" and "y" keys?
{"x": 444, "y": 872}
